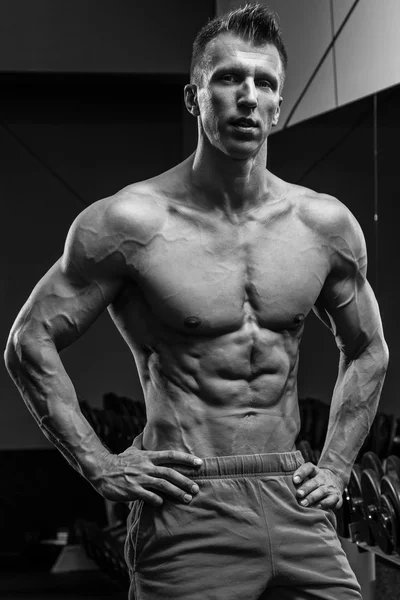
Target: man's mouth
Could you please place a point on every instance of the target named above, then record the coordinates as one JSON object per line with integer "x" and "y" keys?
{"x": 244, "y": 124}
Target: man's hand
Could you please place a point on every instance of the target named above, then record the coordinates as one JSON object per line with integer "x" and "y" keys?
{"x": 318, "y": 487}
{"x": 132, "y": 475}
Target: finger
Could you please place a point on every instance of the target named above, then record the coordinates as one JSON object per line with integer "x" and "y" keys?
{"x": 333, "y": 501}
{"x": 316, "y": 496}
{"x": 169, "y": 489}
{"x": 307, "y": 487}
{"x": 177, "y": 478}
{"x": 173, "y": 456}
{"x": 306, "y": 470}
{"x": 150, "y": 498}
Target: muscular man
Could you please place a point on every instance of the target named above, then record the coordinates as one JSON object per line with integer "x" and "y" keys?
{"x": 208, "y": 272}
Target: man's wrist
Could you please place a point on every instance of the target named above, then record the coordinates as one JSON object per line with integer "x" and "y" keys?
{"x": 93, "y": 462}
{"x": 340, "y": 475}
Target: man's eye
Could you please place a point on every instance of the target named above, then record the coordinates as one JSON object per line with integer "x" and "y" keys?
{"x": 228, "y": 78}
{"x": 263, "y": 83}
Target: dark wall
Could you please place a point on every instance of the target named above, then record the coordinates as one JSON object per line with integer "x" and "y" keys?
{"x": 334, "y": 154}
{"x": 65, "y": 142}
{"x": 99, "y": 36}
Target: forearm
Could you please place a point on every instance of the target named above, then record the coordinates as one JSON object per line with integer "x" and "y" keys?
{"x": 49, "y": 394}
{"x": 354, "y": 404}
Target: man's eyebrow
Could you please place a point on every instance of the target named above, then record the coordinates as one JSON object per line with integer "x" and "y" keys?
{"x": 239, "y": 68}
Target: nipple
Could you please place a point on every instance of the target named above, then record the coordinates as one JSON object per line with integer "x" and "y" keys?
{"x": 192, "y": 322}
{"x": 299, "y": 318}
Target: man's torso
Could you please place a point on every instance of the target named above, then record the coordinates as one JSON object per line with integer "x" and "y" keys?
{"x": 214, "y": 316}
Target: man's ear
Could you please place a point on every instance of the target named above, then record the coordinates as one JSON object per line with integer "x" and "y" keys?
{"x": 277, "y": 113}
{"x": 191, "y": 101}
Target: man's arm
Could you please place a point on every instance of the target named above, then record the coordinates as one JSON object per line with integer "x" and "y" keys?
{"x": 69, "y": 298}
{"x": 347, "y": 305}
{"x": 65, "y": 302}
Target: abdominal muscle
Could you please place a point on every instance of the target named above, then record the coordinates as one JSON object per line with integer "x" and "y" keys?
{"x": 208, "y": 400}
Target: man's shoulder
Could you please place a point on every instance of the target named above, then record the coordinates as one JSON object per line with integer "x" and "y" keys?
{"x": 322, "y": 212}
{"x": 138, "y": 209}
{"x": 331, "y": 220}
{"x": 108, "y": 230}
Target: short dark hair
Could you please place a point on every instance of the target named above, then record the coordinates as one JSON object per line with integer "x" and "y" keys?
{"x": 252, "y": 22}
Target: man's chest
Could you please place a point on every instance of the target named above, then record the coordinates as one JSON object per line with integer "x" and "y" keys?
{"x": 212, "y": 278}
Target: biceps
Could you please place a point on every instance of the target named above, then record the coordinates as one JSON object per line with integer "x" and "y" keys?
{"x": 62, "y": 309}
{"x": 352, "y": 312}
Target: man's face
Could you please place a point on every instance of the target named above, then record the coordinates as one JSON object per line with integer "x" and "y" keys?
{"x": 239, "y": 98}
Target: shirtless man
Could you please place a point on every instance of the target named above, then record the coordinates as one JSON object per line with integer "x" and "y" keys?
{"x": 208, "y": 272}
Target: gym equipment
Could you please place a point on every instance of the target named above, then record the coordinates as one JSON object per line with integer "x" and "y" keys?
{"x": 393, "y": 467}
{"x": 370, "y": 488}
{"x": 391, "y": 489}
{"x": 388, "y": 530}
{"x": 352, "y": 500}
{"x": 370, "y": 460}
{"x": 371, "y": 504}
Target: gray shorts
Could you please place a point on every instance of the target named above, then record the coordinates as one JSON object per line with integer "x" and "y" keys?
{"x": 244, "y": 536}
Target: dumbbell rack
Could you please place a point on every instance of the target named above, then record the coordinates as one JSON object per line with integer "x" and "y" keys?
{"x": 370, "y": 516}
{"x": 371, "y": 506}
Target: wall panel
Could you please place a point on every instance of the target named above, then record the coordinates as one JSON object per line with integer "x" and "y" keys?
{"x": 367, "y": 53}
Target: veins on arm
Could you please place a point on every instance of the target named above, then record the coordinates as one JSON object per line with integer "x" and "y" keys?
{"x": 347, "y": 305}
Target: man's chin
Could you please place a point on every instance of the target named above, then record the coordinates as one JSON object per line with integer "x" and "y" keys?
{"x": 242, "y": 151}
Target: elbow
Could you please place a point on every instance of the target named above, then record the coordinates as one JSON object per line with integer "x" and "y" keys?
{"x": 375, "y": 350}
{"x": 18, "y": 350}
{"x": 385, "y": 355}
{"x": 13, "y": 352}
{"x": 378, "y": 353}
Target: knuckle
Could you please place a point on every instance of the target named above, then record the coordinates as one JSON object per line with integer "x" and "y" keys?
{"x": 165, "y": 471}
{"x": 162, "y": 484}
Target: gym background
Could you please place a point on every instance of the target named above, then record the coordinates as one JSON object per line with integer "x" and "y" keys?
{"x": 91, "y": 101}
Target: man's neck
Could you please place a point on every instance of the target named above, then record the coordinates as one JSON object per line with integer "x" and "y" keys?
{"x": 232, "y": 185}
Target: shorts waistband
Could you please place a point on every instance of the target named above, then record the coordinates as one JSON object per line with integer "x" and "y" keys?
{"x": 245, "y": 465}
{"x": 242, "y": 464}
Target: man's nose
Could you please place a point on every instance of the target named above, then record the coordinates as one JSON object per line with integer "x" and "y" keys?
{"x": 248, "y": 94}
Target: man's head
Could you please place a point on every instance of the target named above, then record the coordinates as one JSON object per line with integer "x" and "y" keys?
{"x": 238, "y": 69}
{"x": 252, "y": 23}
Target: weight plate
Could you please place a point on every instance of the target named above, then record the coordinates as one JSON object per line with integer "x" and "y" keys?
{"x": 391, "y": 487}
{"x": 388, "y": 529}
{"x": 371, "y": 503}
{"x": 393, "y": 467}
{"x": 370, "y": 460}
{"x": 353, "y": 494}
